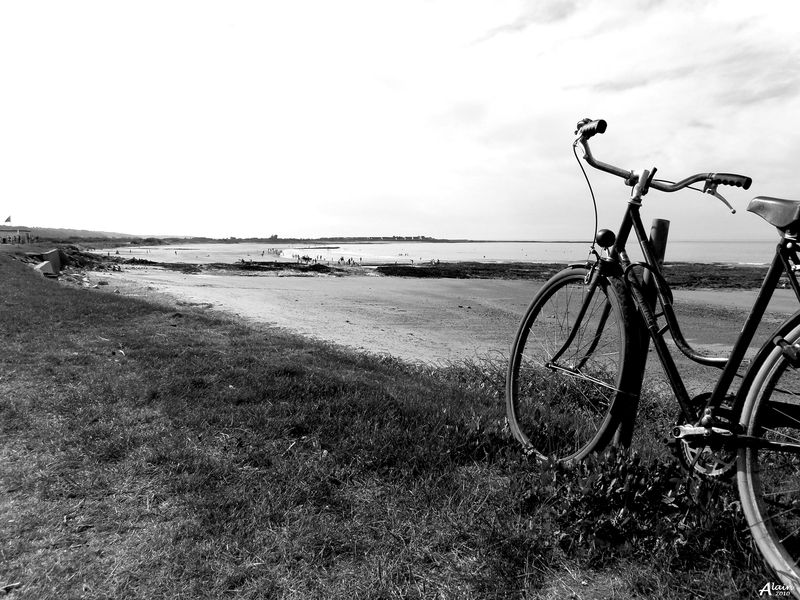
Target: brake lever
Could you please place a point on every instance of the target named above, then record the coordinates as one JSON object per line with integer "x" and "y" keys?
{"x": 712, "y": 190}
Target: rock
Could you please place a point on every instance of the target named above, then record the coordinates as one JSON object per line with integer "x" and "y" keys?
{"x": 46, "y": 268}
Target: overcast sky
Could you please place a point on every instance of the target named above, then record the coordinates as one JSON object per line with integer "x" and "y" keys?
{"x": 447, "y": 118}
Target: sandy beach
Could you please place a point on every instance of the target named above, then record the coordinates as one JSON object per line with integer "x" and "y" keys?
{"x": 427, "y": 320}
{"x": 414, "y": 319}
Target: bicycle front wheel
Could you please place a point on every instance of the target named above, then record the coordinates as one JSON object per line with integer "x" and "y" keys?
{"x": 769, "y": 477}
{"x": 572, "y": 362}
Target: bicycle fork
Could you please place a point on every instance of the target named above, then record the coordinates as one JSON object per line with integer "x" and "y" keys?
{"x": 593, "y": 281}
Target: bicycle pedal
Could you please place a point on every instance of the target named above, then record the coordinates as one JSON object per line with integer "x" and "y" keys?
{"x": 689, "y": 431}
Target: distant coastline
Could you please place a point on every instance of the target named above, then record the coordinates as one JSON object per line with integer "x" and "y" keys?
{"x": 323, "y": 240}
{"x": 97, "y": 239}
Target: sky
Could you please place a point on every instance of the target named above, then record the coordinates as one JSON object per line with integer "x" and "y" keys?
{"x": 444, "y": 118}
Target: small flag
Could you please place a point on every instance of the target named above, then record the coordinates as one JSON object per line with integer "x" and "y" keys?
{"x": 8, "y": 220}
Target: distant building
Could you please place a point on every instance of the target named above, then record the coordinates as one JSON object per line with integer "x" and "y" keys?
{"x": 14, "y": 235}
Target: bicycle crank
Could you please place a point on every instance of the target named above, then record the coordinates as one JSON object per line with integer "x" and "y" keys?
{"x": 703, "y": 449}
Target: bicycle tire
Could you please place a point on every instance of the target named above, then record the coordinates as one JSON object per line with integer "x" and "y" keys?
{"x": 565, "y": 414}
{"x": 768, "y": 479}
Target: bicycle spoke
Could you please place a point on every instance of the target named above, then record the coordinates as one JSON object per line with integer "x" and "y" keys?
{"x": 780, "y": 514}
{"x": 791, "y": 535}
{"x": 782, "y": 492}
{"x": 783, "y": 435}
{"x": 585, "y": 377}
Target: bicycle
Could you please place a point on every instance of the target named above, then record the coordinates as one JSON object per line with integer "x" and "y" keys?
{"x": 578, "y": 361}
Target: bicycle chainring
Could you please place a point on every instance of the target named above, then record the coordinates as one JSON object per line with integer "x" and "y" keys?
{"x": 713, "y": 463}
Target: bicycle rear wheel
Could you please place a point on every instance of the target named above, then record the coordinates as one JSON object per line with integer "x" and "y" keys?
{"x": 769, "y": 478}
{"x": 565, "y": 384}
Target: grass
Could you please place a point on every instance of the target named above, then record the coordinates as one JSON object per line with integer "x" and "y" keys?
{"x": 155, "y": 451}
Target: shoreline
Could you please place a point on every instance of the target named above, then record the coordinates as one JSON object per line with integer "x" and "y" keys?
{"x": 429, "y": 320}
{"x": 424, "y": 253}
{"x": 439, "y": 313}
{"x": 680, "y": 275}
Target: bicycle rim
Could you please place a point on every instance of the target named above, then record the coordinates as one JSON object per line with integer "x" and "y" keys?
{"x": 565, "y": 409}
{"x": 769, "y": 479}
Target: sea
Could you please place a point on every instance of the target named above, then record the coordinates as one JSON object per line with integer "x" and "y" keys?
{"x": 375, "y": 253}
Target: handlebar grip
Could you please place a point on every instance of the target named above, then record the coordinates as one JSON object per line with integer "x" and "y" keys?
{"x": 731, "y": 179}
{"x": 587, "y": 128}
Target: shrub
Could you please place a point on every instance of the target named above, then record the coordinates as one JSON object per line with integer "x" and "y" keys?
{"x": 614, "y": 506}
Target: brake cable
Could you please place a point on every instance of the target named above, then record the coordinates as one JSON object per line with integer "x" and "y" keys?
{"x": 592, "y": 249}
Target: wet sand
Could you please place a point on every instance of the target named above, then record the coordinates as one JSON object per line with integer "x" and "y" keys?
{"x": 427, "y": 320}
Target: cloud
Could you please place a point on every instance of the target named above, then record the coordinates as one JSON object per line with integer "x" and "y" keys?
{"x": 751, "y": 76}
{"x": 606, "y": 16}
{"x": 332, "y": 112}
{"x": 698, "y": 124}
{"x": 538, "y": 12}
{"x": 462, "y": 114}
{"x": 778, "y": 90}
{"x": 722, "y": 73}
{"x": 626, "y": 83}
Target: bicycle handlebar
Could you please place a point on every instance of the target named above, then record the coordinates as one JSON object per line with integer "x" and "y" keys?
{"x": 587, "y": 128}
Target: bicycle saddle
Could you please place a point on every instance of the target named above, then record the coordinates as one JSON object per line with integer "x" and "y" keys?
{"x": 783, "y": 214}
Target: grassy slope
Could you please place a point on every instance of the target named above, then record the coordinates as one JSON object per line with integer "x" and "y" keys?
{"x": 154, "y": 452}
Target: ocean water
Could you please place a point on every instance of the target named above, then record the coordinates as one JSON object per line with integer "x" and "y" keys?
{"x": 739, "y": 252}
{"x": 703, "y": 252}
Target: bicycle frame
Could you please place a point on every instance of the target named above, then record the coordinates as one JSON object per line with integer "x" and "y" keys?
{"x": 784, "y": 259}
